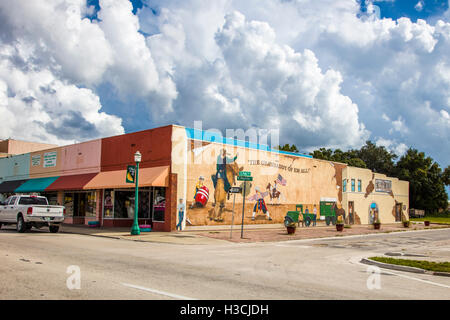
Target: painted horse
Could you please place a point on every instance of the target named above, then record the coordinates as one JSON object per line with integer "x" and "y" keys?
{"x": 220, "y": 194}
{"x": 273, "y": 193}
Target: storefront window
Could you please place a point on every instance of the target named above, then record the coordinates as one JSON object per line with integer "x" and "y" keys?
{"x": 68, "y": 203}
{"x": 80, "y": 204}
{"x": 108, "y": 207}
{"x": 124, "y": 204}
{"x": 159, "y": 204}
{"x": 52, "y": 198}
{"x": 91, "y": 204}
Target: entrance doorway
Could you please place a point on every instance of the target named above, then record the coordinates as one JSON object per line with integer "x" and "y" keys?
{"x": 398, "y": 212}
{"x": 351, "y": 214}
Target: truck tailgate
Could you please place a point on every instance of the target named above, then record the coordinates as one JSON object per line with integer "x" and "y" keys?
{"x": 48, "y": 211}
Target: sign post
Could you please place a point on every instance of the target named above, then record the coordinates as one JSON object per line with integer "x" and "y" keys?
{"x": 244, "y": 176}
{"x": 233, "y": 190}
{"x": 232, "y": 217}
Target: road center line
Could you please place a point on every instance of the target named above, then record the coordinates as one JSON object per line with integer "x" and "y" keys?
{"x": 168, "y": 294}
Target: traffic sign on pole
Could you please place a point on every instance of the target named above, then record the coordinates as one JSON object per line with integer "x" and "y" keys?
{"x": 245, "y": 178}
{"x": 235, "y": 190}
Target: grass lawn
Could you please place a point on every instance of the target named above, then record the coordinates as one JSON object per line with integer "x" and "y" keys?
{"x": 427, "y": 265}
{"x": 434, "y": 219}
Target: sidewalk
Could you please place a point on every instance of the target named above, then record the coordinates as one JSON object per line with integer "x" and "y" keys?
{"x": 279, "y": 233}
{"x": 124, "y": 234}
{"x": 252, "y": 233}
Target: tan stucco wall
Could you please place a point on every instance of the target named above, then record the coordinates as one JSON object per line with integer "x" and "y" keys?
{"x": 39, "y": 171}
{"x": 308, "y": 180}
{"x": 385, "y": 201}
{"x": 11, "y": 146}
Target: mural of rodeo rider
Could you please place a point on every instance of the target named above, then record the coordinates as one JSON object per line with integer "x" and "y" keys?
{"x": 198, "y": 186}
{"x": 260, "y": 204}
{"x": 222, "y": 161}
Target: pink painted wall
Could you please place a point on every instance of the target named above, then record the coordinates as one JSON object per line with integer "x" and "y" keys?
{"x": 81, "y": 158}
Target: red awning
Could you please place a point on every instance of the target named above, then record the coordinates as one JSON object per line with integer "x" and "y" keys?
{"x": 73, "y": 182}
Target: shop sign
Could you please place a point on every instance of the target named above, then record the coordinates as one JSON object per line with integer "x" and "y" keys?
{"x": 131, "y": 174}
{"x": 50, "y": 159}
{"x": 36, "y": 160}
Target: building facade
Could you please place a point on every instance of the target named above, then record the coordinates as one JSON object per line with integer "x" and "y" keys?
{"x": 195, "y": 168}
{"x": 10, "y": 147}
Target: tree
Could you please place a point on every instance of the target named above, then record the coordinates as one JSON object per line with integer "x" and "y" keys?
{"x": 288, "y": 148}
{"x": 350, "y": 157}
{"x": 426, "y": 181}
{"x": 446, "y": 176}
{"x": 377, "y": 158}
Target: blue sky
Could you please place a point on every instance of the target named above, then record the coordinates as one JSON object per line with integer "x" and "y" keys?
{"x": 326, "y": 73}
{"x": 395, "y": 9}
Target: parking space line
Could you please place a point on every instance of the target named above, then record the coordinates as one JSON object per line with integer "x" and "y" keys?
{"x": 163, "y": 293}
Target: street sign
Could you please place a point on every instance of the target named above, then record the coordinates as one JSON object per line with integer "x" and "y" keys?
{"x": 131, "y": 174}
{"x": 244, "y": 178}
{"x": 245, "y": 173}
{"x": 235, "y": 190}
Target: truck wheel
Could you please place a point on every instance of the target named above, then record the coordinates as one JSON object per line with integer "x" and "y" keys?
{"x": 287, "y": 221}
{"x": 53, "y": 229}
{"x": 21, "y": 226}
{"x": 307, "y": 221}
{"x": 333, "y": 220}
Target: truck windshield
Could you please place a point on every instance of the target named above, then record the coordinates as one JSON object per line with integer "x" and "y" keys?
{"x": 33, "y": 200}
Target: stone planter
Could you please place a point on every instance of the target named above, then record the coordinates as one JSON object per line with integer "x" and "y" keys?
{"x": 427, "y": 223}
{"x": 376, "y": 226}
{"x": 406, "y": 224}
{"x": 339, "y": 227}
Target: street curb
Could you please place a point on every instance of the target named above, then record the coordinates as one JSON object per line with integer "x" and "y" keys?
{"x": 92, "y": 235}
{"x": 137, "y": 240}
{"x": 403, "y": 268}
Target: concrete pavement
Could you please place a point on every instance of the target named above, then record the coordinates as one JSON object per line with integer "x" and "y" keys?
{"x": 33, "y": 266}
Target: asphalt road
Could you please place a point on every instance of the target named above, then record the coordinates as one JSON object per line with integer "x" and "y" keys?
{"x": 34, "y": 265}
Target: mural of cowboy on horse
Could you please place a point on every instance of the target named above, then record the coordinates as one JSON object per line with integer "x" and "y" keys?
{"x": 221, "y": 167}
{"x": 227, "y": 170}
{"x": 274, "y": 193}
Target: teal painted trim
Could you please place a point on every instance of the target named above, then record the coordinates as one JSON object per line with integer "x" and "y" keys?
{"x": 218, "y": 138}
{"x": 36, "y": 185}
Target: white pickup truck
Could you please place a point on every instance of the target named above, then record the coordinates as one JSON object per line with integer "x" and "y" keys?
{"x": 31, "y": 211}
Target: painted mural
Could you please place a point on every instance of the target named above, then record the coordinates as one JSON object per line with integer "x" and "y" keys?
{"x": 280, "y": 182}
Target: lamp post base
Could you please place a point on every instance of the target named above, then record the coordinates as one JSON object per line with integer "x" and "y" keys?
{"x": 135, "y": 230}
